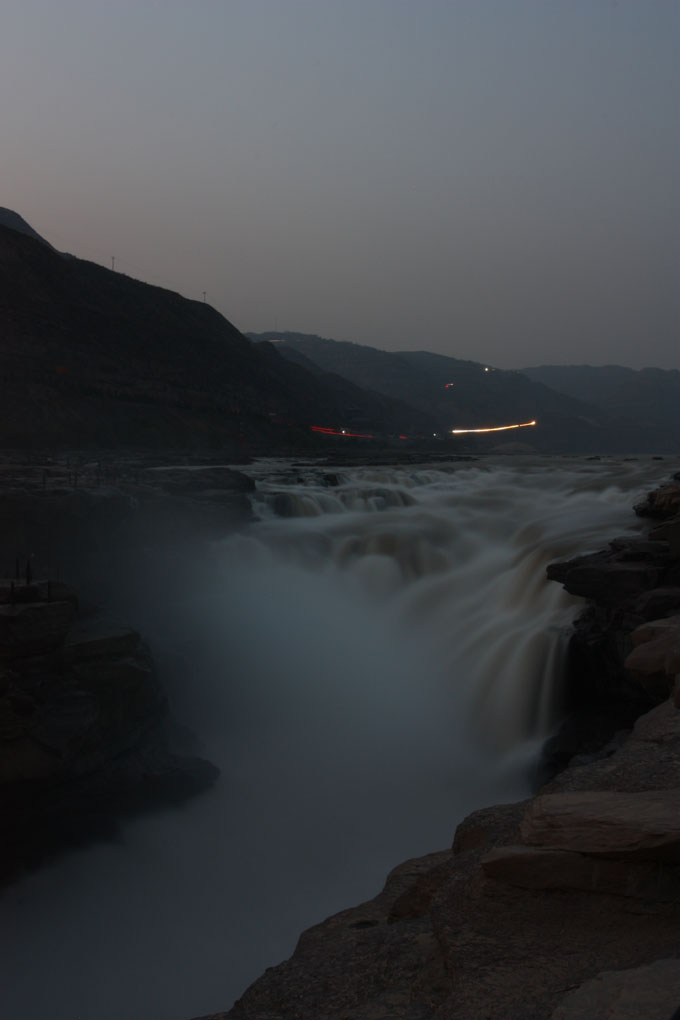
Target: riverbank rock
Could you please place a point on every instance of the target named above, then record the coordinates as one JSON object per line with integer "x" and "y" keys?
{"x": 82, "y": 726}
{"x": 655, "y": 658}
{"x": 632, "y": 588}
{"x": 662, "y": 503}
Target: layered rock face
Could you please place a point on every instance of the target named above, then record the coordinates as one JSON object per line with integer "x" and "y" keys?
{"x": 563, "y": 907}
{"x": 82, "y": 737}
{"x": 630, "y": 587}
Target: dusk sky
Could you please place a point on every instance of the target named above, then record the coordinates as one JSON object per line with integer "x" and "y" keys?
{"x": 490, "y": 179}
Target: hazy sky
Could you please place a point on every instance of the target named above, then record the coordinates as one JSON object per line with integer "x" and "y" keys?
{"x": 491, "y": 179}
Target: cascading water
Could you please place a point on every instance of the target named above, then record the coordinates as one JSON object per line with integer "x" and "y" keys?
{"x": 377, "y": 655}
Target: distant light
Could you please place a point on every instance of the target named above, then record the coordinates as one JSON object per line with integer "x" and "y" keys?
{"x": 486, "y": 369}
{"x": 446, "y": 385}
{"x": 496, "y": 428}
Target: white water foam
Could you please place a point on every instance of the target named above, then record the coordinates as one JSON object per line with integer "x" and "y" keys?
{"x": 365, "y": 669}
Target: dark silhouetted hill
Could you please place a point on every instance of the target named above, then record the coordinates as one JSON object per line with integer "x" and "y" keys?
{"x": 11, "y": 219}
{"x": 92, "y": 357}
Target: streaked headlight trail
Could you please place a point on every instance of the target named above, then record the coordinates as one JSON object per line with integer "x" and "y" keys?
{"x": 497, "y": 428}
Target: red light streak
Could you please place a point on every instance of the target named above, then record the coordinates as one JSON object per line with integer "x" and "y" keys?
{"x": 326, "y": 431}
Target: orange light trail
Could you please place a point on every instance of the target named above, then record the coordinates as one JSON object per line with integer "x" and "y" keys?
{"x": 497, "y": 428}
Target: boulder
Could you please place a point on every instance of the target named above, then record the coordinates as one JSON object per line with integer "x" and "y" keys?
{"x": 657, "y": 647}
{"x": 662, "y": 503}
{"x": 669, "y": 532}
{"x": 655, "y": 659}
{"x": 605, "y": 578}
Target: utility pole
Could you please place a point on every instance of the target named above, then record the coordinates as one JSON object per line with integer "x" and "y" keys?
{"x": 204, "y": 293}
{"x": 113, "y": 262}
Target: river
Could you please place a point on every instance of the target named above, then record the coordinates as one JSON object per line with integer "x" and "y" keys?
{"x": 373, "y": 658}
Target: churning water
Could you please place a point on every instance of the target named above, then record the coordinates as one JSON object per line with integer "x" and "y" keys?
{"x": 376, "y": 656}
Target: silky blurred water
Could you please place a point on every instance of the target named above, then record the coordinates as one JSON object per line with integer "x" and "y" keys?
{"x": 366, "y": 663}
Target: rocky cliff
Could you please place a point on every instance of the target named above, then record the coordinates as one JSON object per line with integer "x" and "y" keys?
{"x": 85, "y": 732}
{"x": 83, "y": 739}
{"x": 565, "y": 906}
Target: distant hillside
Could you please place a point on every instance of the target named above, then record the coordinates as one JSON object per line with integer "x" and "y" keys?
{"x": 459, "y": 394}
{"x": 645, "y": 401}
{"x": 89, "y": 356}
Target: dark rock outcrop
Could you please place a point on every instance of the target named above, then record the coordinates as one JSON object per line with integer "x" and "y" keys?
{"x": 634, "y": 582}
{"x": 83, "y": 736}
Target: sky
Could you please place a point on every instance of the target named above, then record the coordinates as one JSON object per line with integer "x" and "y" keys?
{"x": 489, "y": 179}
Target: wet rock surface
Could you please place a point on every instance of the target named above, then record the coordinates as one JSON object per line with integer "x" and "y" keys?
{"x": 565, "y": 906}
{"x": 635, "y": 582}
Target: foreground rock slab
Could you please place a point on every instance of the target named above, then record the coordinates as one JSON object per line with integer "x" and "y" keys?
{"x": 647, "y": 823}
{"x": 652, "y": 992}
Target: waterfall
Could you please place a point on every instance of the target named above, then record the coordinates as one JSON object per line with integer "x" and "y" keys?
{"x": 376, "y": 655}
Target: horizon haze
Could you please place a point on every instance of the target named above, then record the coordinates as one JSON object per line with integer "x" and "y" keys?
{"x": 487, "y": 181}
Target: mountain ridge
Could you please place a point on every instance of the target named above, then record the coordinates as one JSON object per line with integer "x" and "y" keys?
{"x": 464, "y": 393}
{"x": 90, "y": 356}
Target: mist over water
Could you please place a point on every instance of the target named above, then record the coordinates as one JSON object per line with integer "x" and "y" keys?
{"x": 366, "y": 663}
